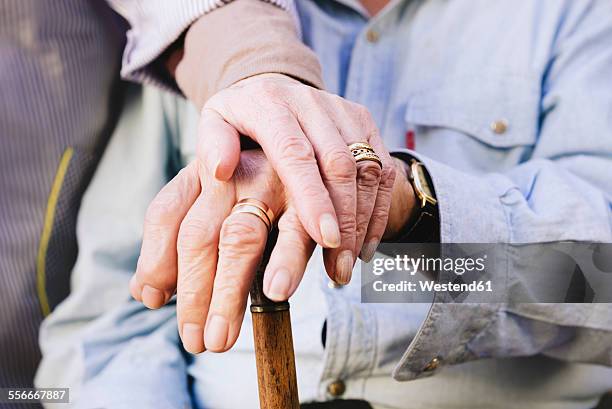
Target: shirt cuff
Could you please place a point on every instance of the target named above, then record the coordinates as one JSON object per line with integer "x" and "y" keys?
{"x": 470, "y": 211}
{"x": 463, "y": 199}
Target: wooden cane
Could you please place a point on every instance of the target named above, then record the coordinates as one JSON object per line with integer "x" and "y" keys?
{"x": 273, "y": 344}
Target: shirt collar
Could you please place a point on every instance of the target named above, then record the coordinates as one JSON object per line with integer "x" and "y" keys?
{"x": 355, "y": 5}
{"x": 358, "y": 7}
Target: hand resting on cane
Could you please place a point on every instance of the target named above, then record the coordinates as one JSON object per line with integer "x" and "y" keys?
{"x": 217, "y": 251}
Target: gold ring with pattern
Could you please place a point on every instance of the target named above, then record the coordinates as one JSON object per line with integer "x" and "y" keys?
{"x": 256, "y": 208}
{"x": 362, "y": 152}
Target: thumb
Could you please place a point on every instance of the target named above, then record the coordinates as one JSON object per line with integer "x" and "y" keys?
{"x": 218, "y": 145}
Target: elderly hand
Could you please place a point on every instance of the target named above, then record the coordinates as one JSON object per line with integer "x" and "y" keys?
{"x": 304, "y": 133}
{"x": 189, "y": 226}
{"x": 218, "y": 251}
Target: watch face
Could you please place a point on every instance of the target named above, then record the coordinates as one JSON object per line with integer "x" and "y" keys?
{"x": 420, "y": 181}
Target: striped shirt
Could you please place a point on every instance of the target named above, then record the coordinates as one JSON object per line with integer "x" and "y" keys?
{"x": 60, "y": 94}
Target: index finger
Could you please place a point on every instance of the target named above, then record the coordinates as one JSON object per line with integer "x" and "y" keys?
{"x": 293, "y": 158}
{"x": 218, "y": 145}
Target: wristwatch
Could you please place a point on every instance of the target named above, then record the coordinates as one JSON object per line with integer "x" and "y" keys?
{"x": 426, "y": 228}
{"x": 421, "y": 183}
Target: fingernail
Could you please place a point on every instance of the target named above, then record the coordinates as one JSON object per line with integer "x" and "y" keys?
{"x": 280, "y": 285}
{"x": 152, "y": 297}
{"x": 330, "y": 232}
{"x": 215, "y": 335}
{"x": 135, "y": 289}
{"x": 191, "y": 335}
{"x": 344, "y": 267}
{"x": 368, "y": 250}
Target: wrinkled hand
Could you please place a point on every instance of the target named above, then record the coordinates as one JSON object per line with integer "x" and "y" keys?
{"x": 191, "y": 245}
{"x": 305, "y": 134}
{"x": 218, "y": 252}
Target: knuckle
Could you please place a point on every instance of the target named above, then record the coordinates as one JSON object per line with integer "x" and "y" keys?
{"x": 192, "y": 278}
{"x": 380, "y": 215}
{"x": 361, "y": 229}
{"x": 370, "y": 175}
{"x": 339, "y": 164}
{"x": 296, "y": 148}
{"x": 191, "y": 305}
{"x": 230, "y": 288}
{"x": 239, "y": 232}
{"x": 381, "y": 210}
{"x": 194, "y": 233}
{"x": 189, "y": 298}
{"x": 296, "y": 238}
{"x": 363, "y": 114}
{"x": 348, "y": 225}
{"x": 347, "y": 219}
{"x": 298, "y": 246}
{"x": 337, "y": 100}
{"x": 366, "y": 120}
{"x": 160, "y": 210}
{"x": 268, "y": 90}
{"x": 388, "y": 175}
{"x": 310, "y": 97}
{"x": 289, "y": 221}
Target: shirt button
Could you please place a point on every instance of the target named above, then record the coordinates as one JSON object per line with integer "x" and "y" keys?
{"x": 372, "y": 36}
{"x": 432, "y": 365}
{"x": 500, "y": 126}
{"x": 336, "y": 388}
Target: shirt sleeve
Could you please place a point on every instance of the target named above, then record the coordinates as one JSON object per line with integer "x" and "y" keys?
{"x": 155, "y": 25}
{"x": 563, "y": 193}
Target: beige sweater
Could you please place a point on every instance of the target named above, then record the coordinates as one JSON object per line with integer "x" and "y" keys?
{"x": 237, "y": 41}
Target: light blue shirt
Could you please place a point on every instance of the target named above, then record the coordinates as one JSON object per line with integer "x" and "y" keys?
{"x": 509, "y": 106}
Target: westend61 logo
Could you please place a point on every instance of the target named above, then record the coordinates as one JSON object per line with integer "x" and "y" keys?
{"x": 412, "y": 265}
{"x": 556, "y": 272}
{"x": 406, "y": 267}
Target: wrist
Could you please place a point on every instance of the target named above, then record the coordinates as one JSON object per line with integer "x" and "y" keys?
{"x": 267, "y": 76}
{"x": 403, "y": 210}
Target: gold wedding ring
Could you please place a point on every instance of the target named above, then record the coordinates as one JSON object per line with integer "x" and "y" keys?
{"x": 362, "y": 151}
{"x": 257, "y": 208}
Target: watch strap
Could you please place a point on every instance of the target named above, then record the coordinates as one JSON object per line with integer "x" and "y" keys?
{"x": 426, "y": 227}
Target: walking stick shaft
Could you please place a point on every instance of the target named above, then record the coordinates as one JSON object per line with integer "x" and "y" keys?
{"x": 273, "y": 344}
